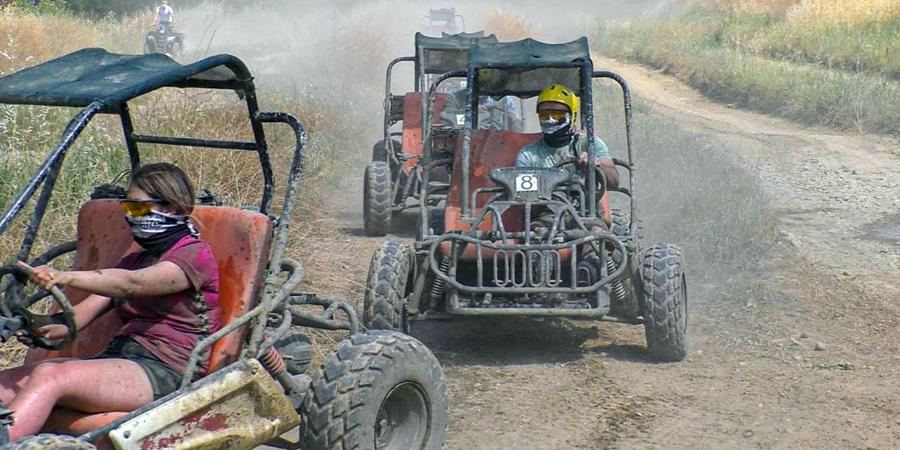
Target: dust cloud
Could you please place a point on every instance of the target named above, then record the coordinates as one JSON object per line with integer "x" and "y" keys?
{"x": 329, "y": 42}
{"x": 339, "y": 50}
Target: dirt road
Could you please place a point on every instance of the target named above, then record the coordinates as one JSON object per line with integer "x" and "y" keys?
{"x": 814, "y": 364}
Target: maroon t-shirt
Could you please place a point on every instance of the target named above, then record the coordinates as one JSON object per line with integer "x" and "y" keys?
{"x": 170, "y": 326}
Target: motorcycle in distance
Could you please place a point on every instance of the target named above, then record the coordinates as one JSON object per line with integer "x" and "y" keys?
{"x": 163, "y": 39}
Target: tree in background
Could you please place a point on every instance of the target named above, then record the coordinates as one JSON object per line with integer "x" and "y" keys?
{"x": 90, "y": 8}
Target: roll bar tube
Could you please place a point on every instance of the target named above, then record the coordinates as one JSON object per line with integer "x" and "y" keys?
{"x": 388, "y": 142}
{"x": 626, "y": 98}
{"x": 426, "y": 144}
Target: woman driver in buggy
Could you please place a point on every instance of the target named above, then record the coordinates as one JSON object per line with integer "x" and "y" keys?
{"x": 166, "y": 296}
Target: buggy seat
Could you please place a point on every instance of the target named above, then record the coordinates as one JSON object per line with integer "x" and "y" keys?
{"x": 489, "y": 149}
{"x": 240, "y": 241}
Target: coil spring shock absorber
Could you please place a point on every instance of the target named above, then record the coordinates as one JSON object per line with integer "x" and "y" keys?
{"x": 408, "y": 187}
{"x": 273, "y": 362}
{"x": 618, "y": 289}
{"x": 440, "y": 286}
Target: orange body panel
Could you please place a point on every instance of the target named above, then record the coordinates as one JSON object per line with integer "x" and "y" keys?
{"x": 240, "y": 241}
{"x": 412, "y": 125}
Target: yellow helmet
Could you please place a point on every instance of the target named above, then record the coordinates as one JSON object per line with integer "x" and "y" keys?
{"x": 558, "y": 93}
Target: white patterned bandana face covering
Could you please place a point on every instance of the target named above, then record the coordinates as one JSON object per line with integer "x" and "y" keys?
{"x": 157, "y": 223}
{"x": 551, "y": 126}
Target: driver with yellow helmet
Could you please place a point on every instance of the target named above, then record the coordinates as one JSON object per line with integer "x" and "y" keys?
{"x": 558, "y": 110}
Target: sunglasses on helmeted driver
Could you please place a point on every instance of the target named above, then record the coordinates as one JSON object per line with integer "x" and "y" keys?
{"x": 555, "y": 116}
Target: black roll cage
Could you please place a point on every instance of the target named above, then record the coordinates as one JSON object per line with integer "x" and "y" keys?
{"x": 587, "y": 121}
{"x": 48, "y": 172}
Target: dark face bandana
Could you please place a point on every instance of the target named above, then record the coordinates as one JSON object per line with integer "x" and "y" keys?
{"x": 157, "y": 231}
{"x": 557, "y": 133}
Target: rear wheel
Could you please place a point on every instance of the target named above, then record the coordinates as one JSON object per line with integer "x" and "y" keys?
{"x": 377, "y": 199}
{"x": 381, "y": 390}
{"x": 665, "y": 303}
{"x": 49, "y": 441}
{"x": 386, "y": 286}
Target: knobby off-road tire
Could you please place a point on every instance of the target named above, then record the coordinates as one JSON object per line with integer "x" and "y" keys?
{"x": 377, "y": 206}
{"x": 386, "y": 286}
{"x": 665, "y": 303}
{"x": 50, "y": 442}
{"x": 381, "y": 390}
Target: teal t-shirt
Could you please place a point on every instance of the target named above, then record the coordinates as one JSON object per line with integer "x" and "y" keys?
{"x": 542, "y": 155}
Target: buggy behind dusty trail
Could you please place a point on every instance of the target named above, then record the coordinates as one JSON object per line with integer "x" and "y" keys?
{"x": 380, "y": 389}
{"x": 393, "y": 179}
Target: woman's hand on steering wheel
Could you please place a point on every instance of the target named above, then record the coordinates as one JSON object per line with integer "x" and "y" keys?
{"x": 45, "y": 276}
{"x": 50, "y": 332}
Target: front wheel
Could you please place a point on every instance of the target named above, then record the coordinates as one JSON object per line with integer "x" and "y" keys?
{"x": 177, "y": 48}
{"x": 383, "y": 390}
{"x": 386, "y": 286}
{"x": 49, "y": 441}
{"x": 665, "y": 303}
{"x": 377, "y": 207}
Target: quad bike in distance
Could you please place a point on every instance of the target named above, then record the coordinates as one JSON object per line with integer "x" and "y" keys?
{"x": 393, "y": 178}
{"x": 163, "y": 39}
{"x": 479, "y": 253}
{"x": 377, "y": 389}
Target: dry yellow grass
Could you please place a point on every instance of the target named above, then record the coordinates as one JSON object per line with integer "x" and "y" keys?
{"x": 746, "y": 6}
{"x": 850, "y": 13}
{"x": 27, "y": 39}
{"x": 507, "y": 25}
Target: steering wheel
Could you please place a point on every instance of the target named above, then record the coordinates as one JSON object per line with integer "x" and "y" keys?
{"x": 23, "y": 319}
{"x": 601, "y": 175}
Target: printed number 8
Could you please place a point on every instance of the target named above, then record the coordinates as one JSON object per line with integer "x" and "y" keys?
{"x": 526, "y": 183}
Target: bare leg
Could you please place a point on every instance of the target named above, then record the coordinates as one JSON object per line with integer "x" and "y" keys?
{"x": 12, "y": 380}
{"x": 96, "y": 385}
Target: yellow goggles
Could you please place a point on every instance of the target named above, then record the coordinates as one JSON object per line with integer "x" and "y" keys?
{"x": 555, "y": 116}
{"x": 138, "y": 208}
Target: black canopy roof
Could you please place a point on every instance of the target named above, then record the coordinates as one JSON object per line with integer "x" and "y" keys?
{"x": 449, "y": 52}
{"x": 91, "y": 75}
{"x": 524, "y": 67}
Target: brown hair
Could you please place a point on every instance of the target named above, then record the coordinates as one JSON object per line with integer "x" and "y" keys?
{"x": 168, "y": 183}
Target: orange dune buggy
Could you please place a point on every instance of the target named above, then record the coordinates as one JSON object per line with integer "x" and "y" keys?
{"x": 378, "y": 389}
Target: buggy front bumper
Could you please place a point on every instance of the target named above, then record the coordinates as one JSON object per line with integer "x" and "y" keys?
{"x": 488, "y": 274}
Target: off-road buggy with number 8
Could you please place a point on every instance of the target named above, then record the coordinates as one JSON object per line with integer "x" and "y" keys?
{"x": 479, "y": 253}
{"x": 377, "y": 390}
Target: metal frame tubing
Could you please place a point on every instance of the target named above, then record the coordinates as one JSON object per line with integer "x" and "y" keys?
{"x": 594, "y": 237}
{"x": 626, "y": 97}
{"x": 426, "y": 143}
{"x": 47, "y": 174}
{"x": 388, "y": 142}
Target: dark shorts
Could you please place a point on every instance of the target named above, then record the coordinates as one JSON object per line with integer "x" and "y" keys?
{"x": 163, "y": 378}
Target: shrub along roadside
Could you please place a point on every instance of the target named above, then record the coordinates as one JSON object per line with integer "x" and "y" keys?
{"x": 722, "y": 62}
